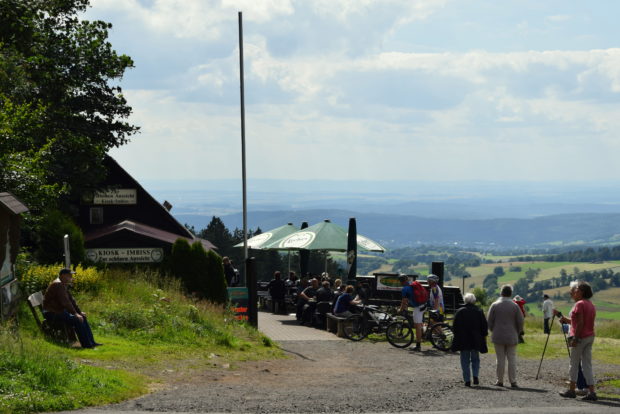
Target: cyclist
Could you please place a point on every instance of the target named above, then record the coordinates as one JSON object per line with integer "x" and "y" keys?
{"x": 435, "y": 297}
{"x": 408, "y": 299}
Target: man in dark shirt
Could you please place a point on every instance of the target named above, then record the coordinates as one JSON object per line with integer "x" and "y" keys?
{"x": 229, "y": 272}
{"x": 59, "y": 306}
{"x": 277, "y": 290}
{"x": 324, "y": 293}
{"x": 307, "y": 297}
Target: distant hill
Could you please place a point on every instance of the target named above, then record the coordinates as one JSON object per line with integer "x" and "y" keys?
{"x": 403, "y": 230}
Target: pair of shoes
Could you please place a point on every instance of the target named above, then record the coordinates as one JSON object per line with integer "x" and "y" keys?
{"x": 514, "y": 385}
{"x": 467, "y": 384}
{"x": 476, "y": 382}
{"x": 591, "y": 396}
{"x": 581, "y": 392}
{"x": 569, "y": 394}
{"x": 498, "y": 384}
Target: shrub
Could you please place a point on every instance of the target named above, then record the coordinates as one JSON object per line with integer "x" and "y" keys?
{"x": 36, "y": 278}
{"x": 50, "y": 234}
{"x": 217, "y": 281}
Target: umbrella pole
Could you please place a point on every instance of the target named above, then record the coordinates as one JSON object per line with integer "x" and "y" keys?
{"x": 289, "y": 261}
{"x": 326, "y": 263}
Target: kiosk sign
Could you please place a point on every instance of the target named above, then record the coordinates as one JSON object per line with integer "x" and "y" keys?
{"x": 126, "y": 255}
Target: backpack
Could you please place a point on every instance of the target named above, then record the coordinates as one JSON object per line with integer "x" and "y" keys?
{"x": 420, "y": 294}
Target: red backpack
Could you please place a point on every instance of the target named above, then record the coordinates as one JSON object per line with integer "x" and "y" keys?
{"x": 420, "y": 294}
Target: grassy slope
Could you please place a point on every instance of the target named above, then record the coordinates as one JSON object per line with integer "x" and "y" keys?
{"x": 150, "y": 332}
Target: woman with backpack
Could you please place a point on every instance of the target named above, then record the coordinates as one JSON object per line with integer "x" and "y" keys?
{"x": 470, "y": 337}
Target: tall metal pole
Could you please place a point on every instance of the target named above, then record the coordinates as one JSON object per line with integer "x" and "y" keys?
{"x": 245, "y": 205}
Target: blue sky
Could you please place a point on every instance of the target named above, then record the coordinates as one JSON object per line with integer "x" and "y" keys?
{"x": 372, "y": 90}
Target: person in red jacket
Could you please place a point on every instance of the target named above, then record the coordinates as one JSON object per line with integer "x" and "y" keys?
{"x": 521, "y": 302}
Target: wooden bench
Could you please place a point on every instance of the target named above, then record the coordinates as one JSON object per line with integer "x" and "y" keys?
{"x": 58, "y": 331}
{"x": 335, "y": 324}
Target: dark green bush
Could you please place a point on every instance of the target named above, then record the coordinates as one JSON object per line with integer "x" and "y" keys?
{"x": 50, "y": 233}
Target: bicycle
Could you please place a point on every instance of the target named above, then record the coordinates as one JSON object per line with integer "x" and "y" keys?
{"x": 371, "y": 320}
{"x": 400, "y": 332}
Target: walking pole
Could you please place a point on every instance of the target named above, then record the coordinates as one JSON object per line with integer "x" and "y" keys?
{"x": 565, "y": 339}
{"x": 545, "y": 348}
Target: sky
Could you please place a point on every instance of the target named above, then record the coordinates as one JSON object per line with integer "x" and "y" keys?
{"x": 427, "y": 90}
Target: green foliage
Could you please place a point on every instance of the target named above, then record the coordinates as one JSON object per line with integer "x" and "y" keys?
{"x": 498, "y": 270}
{"x": 217, "y": 282}
{"x": 481, "y": 296}
{"x": 36, "y": 377}
{"x": 202, "y": 272}
{"x": 34, "y": 278}
{"x": 51, "y": 231}
{"x": 59, "y": 110}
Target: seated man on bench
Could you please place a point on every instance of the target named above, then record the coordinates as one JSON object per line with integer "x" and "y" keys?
{"x": 343, "y": 303}
{"x": 59, "y": 306}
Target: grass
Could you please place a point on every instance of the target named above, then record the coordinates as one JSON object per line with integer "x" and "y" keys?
{"x": 38, "y": 376}
{"x": 150, "y": 332}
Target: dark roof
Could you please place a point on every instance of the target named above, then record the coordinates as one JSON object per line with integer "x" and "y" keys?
{"x": 9, "y": 201}
{"x": 165, "y": 212}
{"x": 144, "y": 230}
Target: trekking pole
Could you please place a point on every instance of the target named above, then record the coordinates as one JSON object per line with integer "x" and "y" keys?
{"x": 565, "y": 339}
{"x": 545, "y": 348}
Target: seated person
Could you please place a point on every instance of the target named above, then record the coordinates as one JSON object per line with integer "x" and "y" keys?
{"x": 306, "y": 302}
{"x": 363, "y": 292}
{"x": 342, "y": 306}
{"x": 59, "y": 306}
{"x": 324, "y": 294}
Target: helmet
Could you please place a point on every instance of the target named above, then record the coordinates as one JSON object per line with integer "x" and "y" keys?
{"x": 432, "y": 278}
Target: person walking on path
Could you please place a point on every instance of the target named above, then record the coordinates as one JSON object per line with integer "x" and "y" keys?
{"x": 470, "y": 337}
{"x": 505, "y": 321}
{"x": 581, "y": 338}
{"x": 547, "y": 308}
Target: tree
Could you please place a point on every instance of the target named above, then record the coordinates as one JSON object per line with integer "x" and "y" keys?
{"x": 60, "y": 113}
{"x": 481, "y": 296}
{"x": 499, "y": 271}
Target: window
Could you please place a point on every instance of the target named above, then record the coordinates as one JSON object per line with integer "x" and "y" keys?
{"x": 96, "y": 215}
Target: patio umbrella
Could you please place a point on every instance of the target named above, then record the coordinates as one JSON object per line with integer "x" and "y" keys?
{"x": 322, "y": 236}
{"x": 261, "y": 240}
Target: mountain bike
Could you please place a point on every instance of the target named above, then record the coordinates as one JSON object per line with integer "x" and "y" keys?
{"x": 400, "y": 332}
{"x": 372, "y": 319}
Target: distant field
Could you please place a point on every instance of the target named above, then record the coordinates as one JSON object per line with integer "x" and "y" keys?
{"x": 607, "y": 302}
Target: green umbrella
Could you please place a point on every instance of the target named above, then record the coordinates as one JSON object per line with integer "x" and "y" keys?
{"x": 261, "y": 240}
{"x": 322, "y": 236}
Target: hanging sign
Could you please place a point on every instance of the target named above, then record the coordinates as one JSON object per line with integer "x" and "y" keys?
{"x": 122, "y": 196}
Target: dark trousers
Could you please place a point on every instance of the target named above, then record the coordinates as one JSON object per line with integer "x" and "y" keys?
{"x": 281, "y": 306}
{"x": 546, "y": 325}
{"x": 82, "y": 328}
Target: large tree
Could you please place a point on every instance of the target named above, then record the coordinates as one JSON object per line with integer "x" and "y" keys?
{"x": 60, "y": 110}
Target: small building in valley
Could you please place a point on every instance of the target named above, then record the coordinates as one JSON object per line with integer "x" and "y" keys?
{"x": 123, "y": 223}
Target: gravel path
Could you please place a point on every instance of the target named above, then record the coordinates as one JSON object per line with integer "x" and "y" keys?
{"x": 324, "y": 376}
{"x": 343, "y": 376}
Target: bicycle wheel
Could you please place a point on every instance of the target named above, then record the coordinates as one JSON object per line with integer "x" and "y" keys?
{"x": 442, "y": 336}
{"x": 399, "y": 334}
{"x": 354, "y": 328}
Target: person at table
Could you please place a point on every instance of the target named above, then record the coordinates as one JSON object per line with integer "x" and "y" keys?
{"x": 306, "y": 302}
{"x": 324, "y": 294}
{"x": 342, "y": 308}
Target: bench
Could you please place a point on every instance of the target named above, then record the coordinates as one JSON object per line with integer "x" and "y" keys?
{"x": 335, "y": 324}
{"x": 58, "y": 331}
